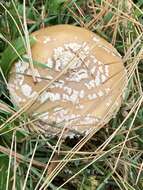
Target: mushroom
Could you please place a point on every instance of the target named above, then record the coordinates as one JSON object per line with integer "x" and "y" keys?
{"x": 91, "y": 86}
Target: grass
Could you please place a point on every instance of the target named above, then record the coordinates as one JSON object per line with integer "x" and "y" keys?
{"x": 107, "y": 159}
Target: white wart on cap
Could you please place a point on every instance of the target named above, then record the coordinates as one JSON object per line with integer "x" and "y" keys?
{"x": 92, "y": 86}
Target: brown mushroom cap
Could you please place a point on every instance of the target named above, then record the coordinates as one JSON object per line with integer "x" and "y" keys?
{"x": 91, "y": 87}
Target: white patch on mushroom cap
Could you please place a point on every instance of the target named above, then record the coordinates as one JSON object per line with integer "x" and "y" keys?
{"x": 80, "y": 106}
{"x": 46, "y": 40}
{"x": 33, "y": 95}
{"x": 95, "y": 39}
{"x": 68, "y": 89}
{"x": 44, "y": 116}
{"x": 107, "y": 90}
{"x": 78, "y": 76}
{"x": 103, "y": 78}
{"x": 74, "y": 46}
{"x": 26, "y": 90}
{"x": 100, "y": 93}
{"x": 81, "y": 94}
{"x": 36, "y": 72}
{"x": 97, "y": 79}
{"x": 58, "y": 84}
{"x": 13, "y": 93}
{"x": 88, "y": 119}
{"x": 19, "y": 80}
{"x": 21, "y": 67}
{"x": 50, "y": 63}
{"x": 93, "y": 70}
{"x": 90, "y": 84}
{"x": 107, "y": 70}
{"x": 92, "y": 96}
{"x": 49, "y": 96}
{"x": 74, "y": 96}
{"x": 101, "y": 69}
{"x": 72, "y": 53}
{"x": 49, "y": 77}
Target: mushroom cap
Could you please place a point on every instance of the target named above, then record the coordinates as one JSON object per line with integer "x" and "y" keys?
{"x": 90, "y": 88}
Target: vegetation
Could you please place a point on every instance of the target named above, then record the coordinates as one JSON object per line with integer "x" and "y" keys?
{"x": 112, "y": 158}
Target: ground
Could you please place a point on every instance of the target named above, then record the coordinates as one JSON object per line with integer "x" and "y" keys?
{"x": 111, "y": 159}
